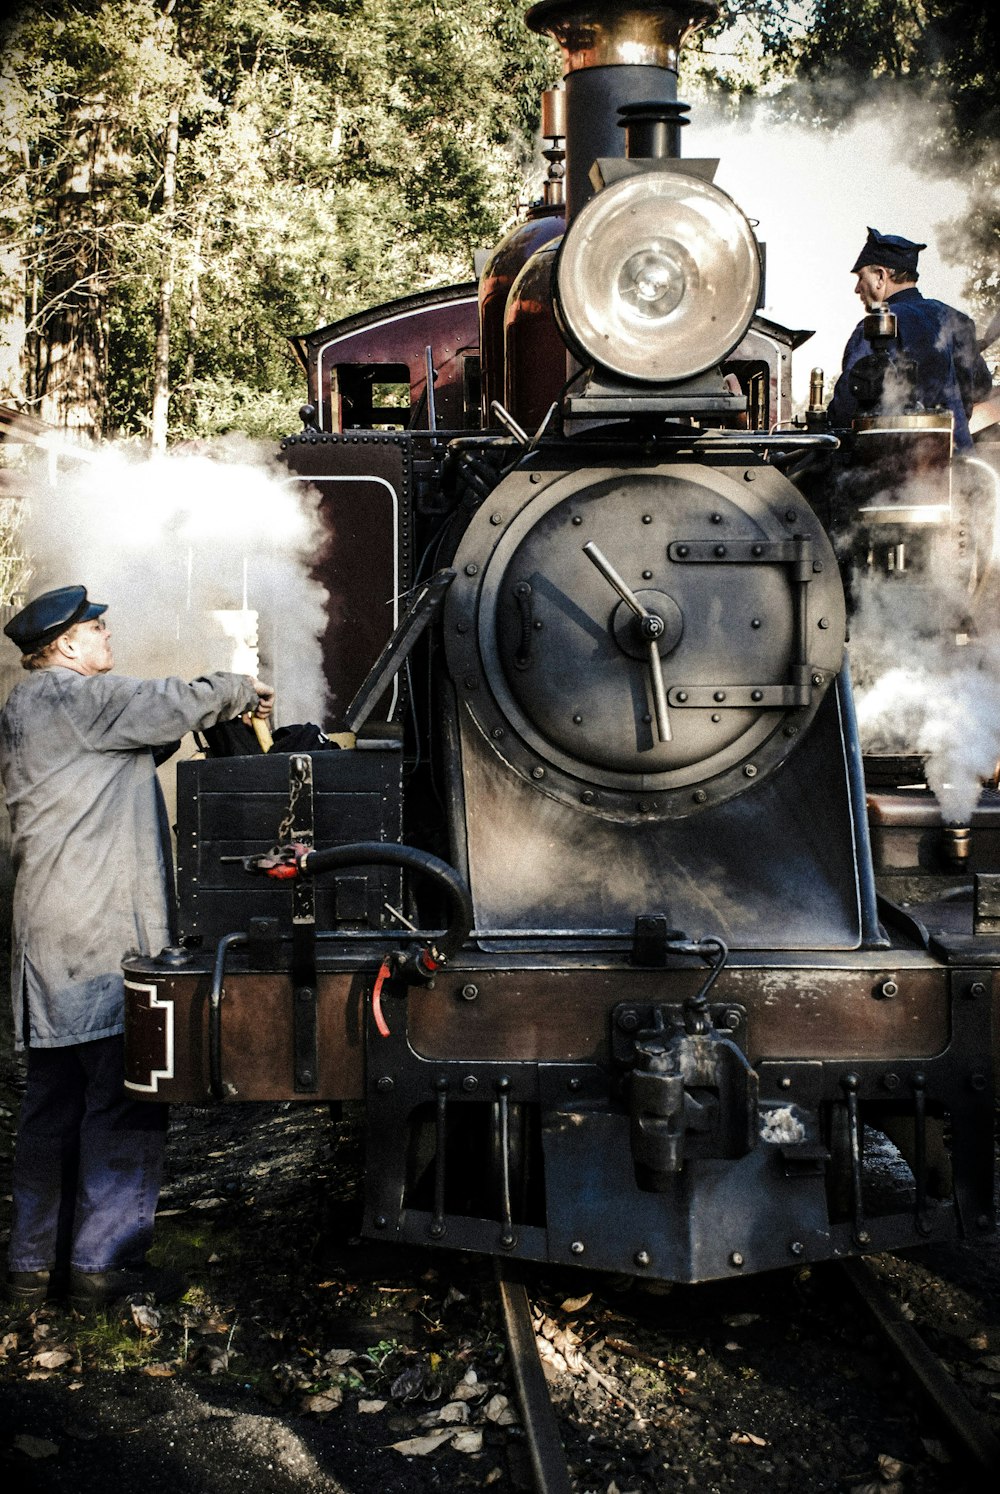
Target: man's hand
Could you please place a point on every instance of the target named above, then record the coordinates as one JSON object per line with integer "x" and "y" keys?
{"x": 265, "y": 699}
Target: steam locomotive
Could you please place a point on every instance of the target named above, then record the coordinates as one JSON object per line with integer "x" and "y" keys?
{"x": 577, "y": 894}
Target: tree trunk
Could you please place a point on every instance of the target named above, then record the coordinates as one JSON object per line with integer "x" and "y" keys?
{"x": 13, "y": 325}
{"x": 161, "y": 354}
{"x": 72, "y": 324}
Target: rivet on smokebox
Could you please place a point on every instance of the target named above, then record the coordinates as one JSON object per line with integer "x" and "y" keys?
{"x": 736, "y": 1259}
{"x": 384, "y": 1084}
{"x": 496, "y": 518}
{"x": 577, "y": 1247}
{"x": 538, "y": 772}
{"x": 796, "y": 1247}
{"x": 470, "y": 992}
{"x": 642, "y": 1258}
{"x": 472, "y": 569}
{"x": 750, "y": 771}
{"x": 886, "y": 989}
{"x": 535, "y": 477}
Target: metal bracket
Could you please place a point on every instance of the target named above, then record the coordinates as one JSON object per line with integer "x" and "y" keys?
{"x": 301, "y": 812}
{"x": 796, "y": 552}
{"x": 299, "y": 825}
{"x": 739, "y": 697}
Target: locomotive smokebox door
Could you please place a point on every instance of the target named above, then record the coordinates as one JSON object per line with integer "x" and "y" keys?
{"x": 642, "y": 655}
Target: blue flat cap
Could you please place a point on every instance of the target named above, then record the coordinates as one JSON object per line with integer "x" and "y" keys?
{"x": 51, "y": 614}
{"x": 888, "y": 249}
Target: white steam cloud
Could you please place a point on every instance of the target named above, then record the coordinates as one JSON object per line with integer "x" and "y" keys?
{"x": 185, "y": 548}
{"x": 925, "y": 651}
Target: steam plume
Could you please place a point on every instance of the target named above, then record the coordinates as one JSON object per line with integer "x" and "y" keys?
{"x": 925, "y": 653}
{"x": 185, "y": 548}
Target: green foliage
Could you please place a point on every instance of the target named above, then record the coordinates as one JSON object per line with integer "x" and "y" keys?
{"x": 331, "y": 155}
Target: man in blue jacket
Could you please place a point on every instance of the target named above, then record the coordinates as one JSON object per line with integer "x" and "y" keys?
{"x": 91, "y": 861}
{"x": 949, "y": 372}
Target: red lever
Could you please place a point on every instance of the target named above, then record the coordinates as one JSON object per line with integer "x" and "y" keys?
{"x": 380, "y": 980}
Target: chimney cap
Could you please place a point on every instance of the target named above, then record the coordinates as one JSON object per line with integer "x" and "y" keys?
{"x": 606, "y": 33}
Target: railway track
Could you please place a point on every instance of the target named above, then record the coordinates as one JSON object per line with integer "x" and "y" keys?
{"x": 974, "y": 1447}
{"x": 541, "y": 1425}
{"x": 965, "y": 1428}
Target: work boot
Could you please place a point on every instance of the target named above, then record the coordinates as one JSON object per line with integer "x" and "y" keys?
{"x": 92, "y": 1291}
{"x": 27, "y": 1290}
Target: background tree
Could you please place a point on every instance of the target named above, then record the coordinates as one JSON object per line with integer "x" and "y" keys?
{"x": 327, "y": 156}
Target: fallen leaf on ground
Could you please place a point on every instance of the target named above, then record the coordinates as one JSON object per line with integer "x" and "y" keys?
{"x": 213, "y": 1325}
{"x": 146, "y": 1319}
{"x": 420, "y": 1447}
{"x": 158, "y": 1371}
{"x": 747, "y": 1439}
{"x": 469, "y": 1441}
{"x": 454, "y": 1411}
{"x": 575, "y": 1304}
{"x": 499, "y": 1410}
{"x": 36, "y": 1447}
{"x": 368, "y": 1408}
{"x": 53, "y": 1358}
{"x": 323, "y": 1400}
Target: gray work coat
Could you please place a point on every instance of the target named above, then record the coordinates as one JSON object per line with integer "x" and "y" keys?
{"x": 88, "y": 846}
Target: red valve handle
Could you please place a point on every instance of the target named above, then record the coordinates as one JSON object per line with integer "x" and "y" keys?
{"x": 380, "y": 980}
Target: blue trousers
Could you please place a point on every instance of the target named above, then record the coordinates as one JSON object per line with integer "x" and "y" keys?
{"x": 88, "y": 1162}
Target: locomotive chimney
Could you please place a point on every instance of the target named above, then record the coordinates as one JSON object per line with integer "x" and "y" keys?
{"x": 616, "y": 53}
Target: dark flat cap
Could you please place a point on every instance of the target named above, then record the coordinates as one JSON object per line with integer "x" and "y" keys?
{"x": 51, "y": 614}
{"x": 888, "y": 249}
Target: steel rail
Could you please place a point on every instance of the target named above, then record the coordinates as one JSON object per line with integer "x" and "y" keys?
{"x": 548, "y": 1457}
{"x": 964, "y": 1424}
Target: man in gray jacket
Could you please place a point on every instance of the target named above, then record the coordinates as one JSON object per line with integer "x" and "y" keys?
{"x": 91, "y": 860}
